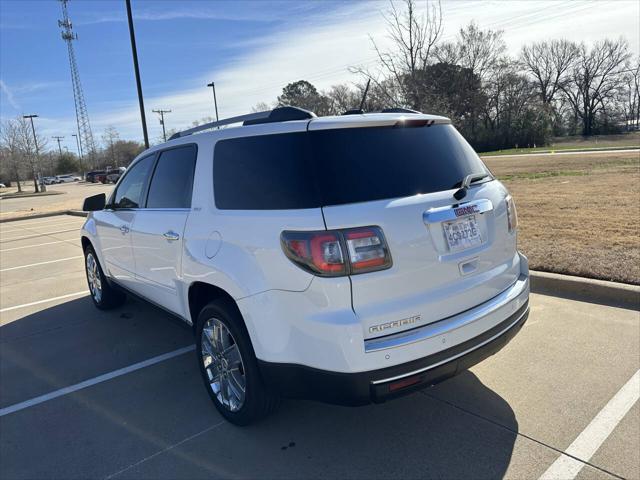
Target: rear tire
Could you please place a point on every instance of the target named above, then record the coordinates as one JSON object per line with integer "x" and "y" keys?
{"x": 104, "y": 296}
{"x": 228, "y": 365}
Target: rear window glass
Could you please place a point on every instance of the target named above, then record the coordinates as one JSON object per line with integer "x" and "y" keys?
{"x": 334, "y": 167}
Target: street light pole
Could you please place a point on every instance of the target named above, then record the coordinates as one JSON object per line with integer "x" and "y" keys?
{"x": 35, "y": 141}
{"x": 215, "y": 102}
{"x": 136, "y": 69}
{"x": 162, "y": 112}
{"x": 79, "y": 153}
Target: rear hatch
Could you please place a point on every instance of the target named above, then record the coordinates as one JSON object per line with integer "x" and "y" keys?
{"x": 447, "y": 255}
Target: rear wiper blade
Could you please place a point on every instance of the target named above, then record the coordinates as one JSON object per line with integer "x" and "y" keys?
{"x": 462, "y": 192}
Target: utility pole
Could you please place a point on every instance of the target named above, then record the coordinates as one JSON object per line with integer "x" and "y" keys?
{"x": 58, "y": 139}
{"x": 79, "y": 152}
{"x": 134, "y": 52}
{"x": 215, "y": 102}
{"x": 59, "y": 149}
{"x": 35, "y": 141}
{"x": 161, "y": 113}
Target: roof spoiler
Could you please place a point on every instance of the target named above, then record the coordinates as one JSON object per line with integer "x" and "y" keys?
{"x": 279, "y": 114}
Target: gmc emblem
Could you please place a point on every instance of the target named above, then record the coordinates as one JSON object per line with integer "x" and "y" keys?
{"x": 467, "y": 210}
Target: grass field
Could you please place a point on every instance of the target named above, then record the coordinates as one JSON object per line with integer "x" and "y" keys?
{"x": 579, "y": 215}
{"x": 598, "y": 142}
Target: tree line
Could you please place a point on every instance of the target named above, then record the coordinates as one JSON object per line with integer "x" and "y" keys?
{"x": 551, "y": 88}
{"x": 20, "y": 160}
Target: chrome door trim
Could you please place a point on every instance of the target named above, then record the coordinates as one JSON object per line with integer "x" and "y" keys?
{"x": 451, "y": 212}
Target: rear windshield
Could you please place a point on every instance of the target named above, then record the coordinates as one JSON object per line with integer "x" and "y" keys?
{"x": 334, "y": 167}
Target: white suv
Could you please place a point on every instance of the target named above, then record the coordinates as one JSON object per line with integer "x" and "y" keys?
{"x": 347, "y": 259}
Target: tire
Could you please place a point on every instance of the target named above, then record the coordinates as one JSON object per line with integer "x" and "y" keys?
{"x": 104, "y": 296}
{"x": 224, "y": 374}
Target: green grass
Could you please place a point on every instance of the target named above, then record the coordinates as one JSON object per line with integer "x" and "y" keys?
{"x": 558, "y": 148}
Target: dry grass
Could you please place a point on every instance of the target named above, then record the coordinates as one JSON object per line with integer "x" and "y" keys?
{"x": 578, "y": 214}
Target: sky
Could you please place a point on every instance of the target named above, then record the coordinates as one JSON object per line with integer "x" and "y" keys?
{"x": 250, "y": 49}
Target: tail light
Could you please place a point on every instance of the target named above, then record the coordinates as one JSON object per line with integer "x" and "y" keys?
{"x": 512, "y": 214}
{"x": 334, "y": 253}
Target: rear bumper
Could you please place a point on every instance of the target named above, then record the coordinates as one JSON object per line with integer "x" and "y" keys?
{"x": 360, "y": 388}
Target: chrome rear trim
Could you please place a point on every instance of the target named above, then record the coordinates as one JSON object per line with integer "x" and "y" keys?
{"x": 451, "y": 212}
{"x": 461, "y": 354}
{"x": 455, "y": 322}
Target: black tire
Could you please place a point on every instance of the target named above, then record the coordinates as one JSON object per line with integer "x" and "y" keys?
{"x": 105, "y": 297}
{"x": 259, "y": 401}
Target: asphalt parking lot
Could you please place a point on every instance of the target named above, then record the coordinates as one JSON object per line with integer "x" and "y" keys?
{"x": 76, "y": 402}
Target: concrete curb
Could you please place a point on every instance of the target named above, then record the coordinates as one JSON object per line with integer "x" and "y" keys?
{"x": 586, "y": 289}
{"x": 9, "y": 196}
{"x": 76, "y": 213}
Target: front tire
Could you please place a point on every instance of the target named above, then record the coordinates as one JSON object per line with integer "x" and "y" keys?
{"x": 104, "y": 296}
{"x": 228, "y": 365}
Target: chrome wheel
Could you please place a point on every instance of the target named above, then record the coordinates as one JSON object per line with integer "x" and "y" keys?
{"x": 93, "y": 277}
{"x": 223, "y": 363}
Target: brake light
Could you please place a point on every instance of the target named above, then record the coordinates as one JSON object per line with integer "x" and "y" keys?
{"x": 512, "y": 214}
{"x": 333, "y": 253}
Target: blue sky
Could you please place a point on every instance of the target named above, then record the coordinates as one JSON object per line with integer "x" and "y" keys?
{"x": 251, "y": 50}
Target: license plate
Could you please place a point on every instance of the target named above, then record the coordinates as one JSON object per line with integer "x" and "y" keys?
{"x": 462, "y": 233}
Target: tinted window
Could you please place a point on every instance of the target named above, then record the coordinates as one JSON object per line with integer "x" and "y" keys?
{"x": 130, "y": 191}
{"x": 333, "y": 167}
{"x": 264, "y": 172}
{"x": 172, "y": 180}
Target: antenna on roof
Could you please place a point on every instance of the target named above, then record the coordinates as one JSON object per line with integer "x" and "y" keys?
{"x": 364, "y": 95}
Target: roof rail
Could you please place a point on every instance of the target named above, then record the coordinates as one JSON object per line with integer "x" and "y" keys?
{"x": 398, "y": 110}
{"x": 279, "y": 114}
{"x": 353, "y": 111}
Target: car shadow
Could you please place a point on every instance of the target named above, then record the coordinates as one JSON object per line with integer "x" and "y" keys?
{"x": 164, "y": 415}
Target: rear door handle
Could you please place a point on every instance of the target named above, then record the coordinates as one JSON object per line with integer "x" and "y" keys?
{"x": 124, "y": 229}
{"x": 171, "y": 235}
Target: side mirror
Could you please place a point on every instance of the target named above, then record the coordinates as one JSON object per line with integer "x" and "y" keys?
{"x": 95, "y": 202}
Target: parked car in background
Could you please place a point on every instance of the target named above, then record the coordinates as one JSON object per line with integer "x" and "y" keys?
{"x": 349, "y": 259}
{"x": 65, "y": 179}
{"x": 48, "y": 180}
{"x": 114, "y": 175}
{"x": 91, "y": 176}
{"x": 2, "y": 185}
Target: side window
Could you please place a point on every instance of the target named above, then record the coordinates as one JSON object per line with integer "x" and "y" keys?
{"x": 172, "y": 180}
{"x": 131, "y": 189}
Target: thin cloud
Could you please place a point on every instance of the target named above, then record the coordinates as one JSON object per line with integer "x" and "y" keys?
{"x": 8, "y": 94}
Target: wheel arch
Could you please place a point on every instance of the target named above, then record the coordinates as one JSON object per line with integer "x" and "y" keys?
{"x": 201, "y": 293}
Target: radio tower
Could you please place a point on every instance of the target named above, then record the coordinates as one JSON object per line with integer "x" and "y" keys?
{"x": 82, "y": 117}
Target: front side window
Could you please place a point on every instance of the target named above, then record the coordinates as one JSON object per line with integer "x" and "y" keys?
{"x": 131, "y": 189}
{"x": 172, "y": 180}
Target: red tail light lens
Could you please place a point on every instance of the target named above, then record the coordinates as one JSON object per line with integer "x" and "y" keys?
{"x": 333, "y": 253}
{"x": 317, "y": 252}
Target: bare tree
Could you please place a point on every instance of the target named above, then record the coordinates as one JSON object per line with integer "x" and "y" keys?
{"x": 30, "y": 150}
{"x": 630, "y": 97}
{"x": 12, "y": 156}
{"x": 414, "y": 37}
{"x": 549, "y": 63}
{"x": 596, "y": 79}
{"x": 480, "y": 50}
{"x": 110, "y": 137}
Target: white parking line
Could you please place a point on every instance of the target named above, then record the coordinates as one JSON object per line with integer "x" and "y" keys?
{"x": 34, "y": 227}
{"x": 589, "y": 441}
{"x": 94, "y": 381}
{"x": 46, "y": 300}
{"x": 41, "y": 263}
{"x": 38, "y": 245}
{"x": 33, "y": 223}
{"x": 39, "y": 235}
